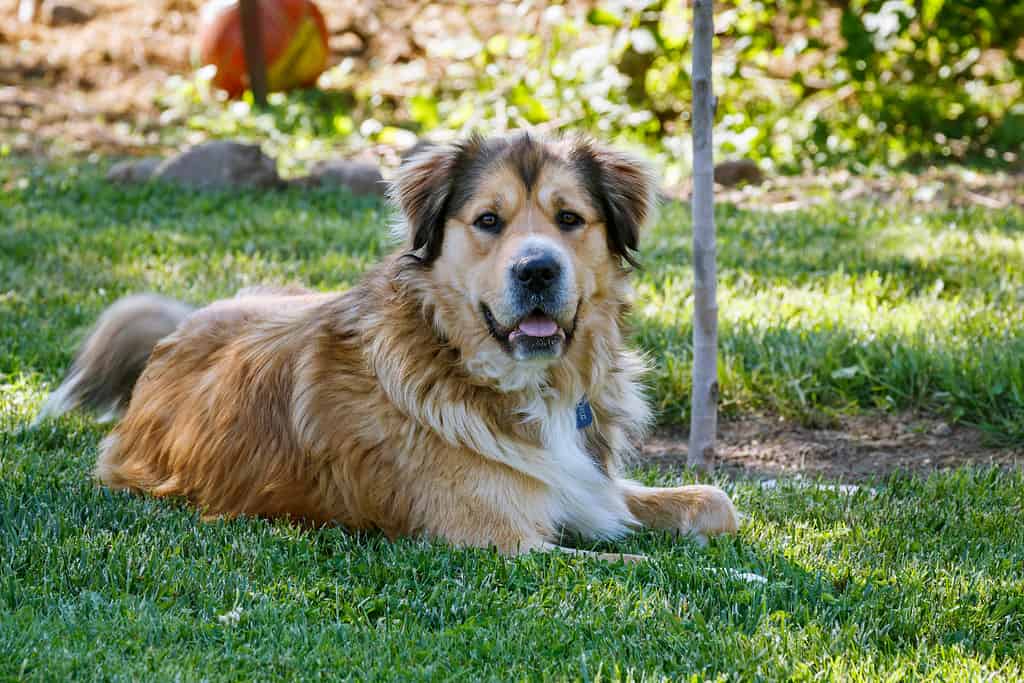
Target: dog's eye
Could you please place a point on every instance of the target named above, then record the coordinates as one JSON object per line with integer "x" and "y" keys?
{"x": 569, "y": 220}
{"x": 488, "y": 222}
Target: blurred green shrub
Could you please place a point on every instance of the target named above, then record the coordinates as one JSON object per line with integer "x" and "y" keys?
{"x": 801, "y": 83}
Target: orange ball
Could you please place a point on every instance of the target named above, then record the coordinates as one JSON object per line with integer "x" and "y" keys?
{"x": 294, "y": 43}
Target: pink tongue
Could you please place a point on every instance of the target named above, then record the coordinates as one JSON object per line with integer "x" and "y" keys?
{"x": 538, "y": 326}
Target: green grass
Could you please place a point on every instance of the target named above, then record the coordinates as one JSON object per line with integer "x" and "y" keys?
{"x": 842, "y": 308}
{"x": 832, "y": 310}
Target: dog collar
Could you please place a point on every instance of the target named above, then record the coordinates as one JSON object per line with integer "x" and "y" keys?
{"x": 584, "y": 414}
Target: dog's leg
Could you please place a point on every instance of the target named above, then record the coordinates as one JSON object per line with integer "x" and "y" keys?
{"x": 626, "y": 558}
{"x": 697, "y": 511}
{"x": 516, "y": 546}
{"x": 290, "y": 289}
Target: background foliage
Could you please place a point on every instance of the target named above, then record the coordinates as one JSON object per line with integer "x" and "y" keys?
{"x": 802, "y": 83}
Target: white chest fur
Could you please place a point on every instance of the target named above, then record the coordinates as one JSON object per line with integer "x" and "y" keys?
{"x": 581, "y": 497}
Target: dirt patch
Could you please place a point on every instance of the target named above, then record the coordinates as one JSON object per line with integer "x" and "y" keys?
{"x": 92, "y": 87}
{"x": 861, "y": 447}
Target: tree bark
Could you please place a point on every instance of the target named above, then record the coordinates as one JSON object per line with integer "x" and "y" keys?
{"x": 704, "y": 404}
{"x": 252, "y": 43}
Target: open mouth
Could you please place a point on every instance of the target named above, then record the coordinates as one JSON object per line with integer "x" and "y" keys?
{"x": 532, "y": 334}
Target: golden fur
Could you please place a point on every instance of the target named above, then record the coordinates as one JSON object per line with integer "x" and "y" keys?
{"x": 393, "y": 406}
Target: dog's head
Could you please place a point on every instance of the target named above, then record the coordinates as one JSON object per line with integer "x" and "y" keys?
{"x": 521, "y": 239}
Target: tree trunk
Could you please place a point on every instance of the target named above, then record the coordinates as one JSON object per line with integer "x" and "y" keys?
{"x": 252, "y": 43}
{"x": 704, "y": 409}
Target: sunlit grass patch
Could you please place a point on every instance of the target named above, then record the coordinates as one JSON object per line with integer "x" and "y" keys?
{"x": 835, "y": 309}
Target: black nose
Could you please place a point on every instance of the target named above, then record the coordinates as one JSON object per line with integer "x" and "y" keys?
{"x": 537, "y": 271}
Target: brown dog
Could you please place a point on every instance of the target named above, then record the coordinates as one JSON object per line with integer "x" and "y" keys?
{"x": 475, "y": 387}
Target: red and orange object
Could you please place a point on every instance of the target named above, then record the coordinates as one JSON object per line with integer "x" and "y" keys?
{"x": 294, "y": 42}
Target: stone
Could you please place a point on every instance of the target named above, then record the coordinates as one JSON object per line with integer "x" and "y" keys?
{"x": 361, "y": 178}
{"x": 738, "y": 171}
{"x": 134, "y": 170}
{"x": 54, "y": 13}
{"x": 218, "y": 165}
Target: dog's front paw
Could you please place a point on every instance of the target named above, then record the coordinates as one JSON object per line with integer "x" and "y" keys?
{"x": 706, "y": 511}
{"x": 698, "y": 511}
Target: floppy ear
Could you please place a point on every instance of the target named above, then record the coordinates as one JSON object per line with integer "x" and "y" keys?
{"x": 421, "y": 188}
{"x": 623, "y": 187}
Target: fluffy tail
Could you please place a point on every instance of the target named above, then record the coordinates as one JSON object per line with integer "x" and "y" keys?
{"x": 114, "y": 355}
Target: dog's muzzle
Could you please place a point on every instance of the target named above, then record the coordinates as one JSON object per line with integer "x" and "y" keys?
{"x": 534, "y": 320}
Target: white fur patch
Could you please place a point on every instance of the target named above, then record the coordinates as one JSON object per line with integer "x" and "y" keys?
{"x": 59, "y": 401}
{"x": 582, "y": 497}
{"x": 65, "y": 399}
{"x": 509, "y": 375}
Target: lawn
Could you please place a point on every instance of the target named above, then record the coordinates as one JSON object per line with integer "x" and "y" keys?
{"x": 836, "y": 309}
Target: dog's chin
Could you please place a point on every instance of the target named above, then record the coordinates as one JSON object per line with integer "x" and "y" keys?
{"x": 537, "y": 348}
{"x": 535, "y": 336}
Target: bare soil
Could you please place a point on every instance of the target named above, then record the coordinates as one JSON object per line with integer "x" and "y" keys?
{"x": 92, "y": 87}
{"x": 857, "y": 448}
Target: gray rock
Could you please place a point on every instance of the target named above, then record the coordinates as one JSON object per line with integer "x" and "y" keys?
{"x": 55, "y": 13}
{"x": 220, "y": 164}
{"x": 738, "y": 171}
{"x": 133, "y": 170}
{"x": 359, "y": 177}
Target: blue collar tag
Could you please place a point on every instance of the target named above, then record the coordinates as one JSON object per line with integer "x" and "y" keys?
{"x": 584, "y": 414}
